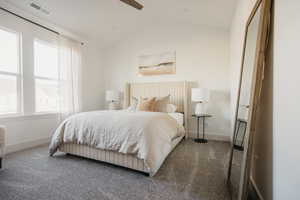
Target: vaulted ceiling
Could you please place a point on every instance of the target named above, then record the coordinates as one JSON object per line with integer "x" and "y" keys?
{"x": 107, "y": 21}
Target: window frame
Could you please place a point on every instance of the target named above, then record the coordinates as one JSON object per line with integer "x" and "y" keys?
{"x": 18, "y": 75}
{"x": 48, "y": 43}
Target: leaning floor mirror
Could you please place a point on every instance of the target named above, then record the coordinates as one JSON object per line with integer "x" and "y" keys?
{"x": 251, "y": 80}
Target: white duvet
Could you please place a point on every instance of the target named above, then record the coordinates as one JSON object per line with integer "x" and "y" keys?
{"x": 148, "y": 135}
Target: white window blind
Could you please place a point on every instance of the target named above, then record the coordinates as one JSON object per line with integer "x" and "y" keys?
{"x": 10, "y": 73}
{"x": 46, "y": 76}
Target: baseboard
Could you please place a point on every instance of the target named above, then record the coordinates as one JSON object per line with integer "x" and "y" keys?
{"x": 210, "y": 136}
{"x": 254, "y": 191}
{"x": 26, "y": 145}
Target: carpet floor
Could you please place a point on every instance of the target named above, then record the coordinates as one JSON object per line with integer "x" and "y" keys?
{"x": 192, "y": 171}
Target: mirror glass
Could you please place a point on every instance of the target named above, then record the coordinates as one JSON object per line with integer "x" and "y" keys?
{"x": 241, "y": 123}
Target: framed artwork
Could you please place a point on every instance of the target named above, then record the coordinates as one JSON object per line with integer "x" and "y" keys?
{"x": 158, "y": 64}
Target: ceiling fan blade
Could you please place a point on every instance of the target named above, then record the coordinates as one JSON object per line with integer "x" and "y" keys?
{"x": 134, "y": 4}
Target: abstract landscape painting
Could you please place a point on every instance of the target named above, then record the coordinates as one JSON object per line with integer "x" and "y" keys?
{"x": 158, "y": 64}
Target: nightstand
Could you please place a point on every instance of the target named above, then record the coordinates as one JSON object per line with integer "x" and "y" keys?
{"x": 204, "y": 116}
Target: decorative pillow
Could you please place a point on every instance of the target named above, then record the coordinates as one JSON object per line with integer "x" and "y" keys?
{"x": 146, "y": 104}
{"x": 171, "y": 108}
{"x": 161, "y": 104}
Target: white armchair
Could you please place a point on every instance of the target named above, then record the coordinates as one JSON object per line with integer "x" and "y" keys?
{"x": 2, "y": 143}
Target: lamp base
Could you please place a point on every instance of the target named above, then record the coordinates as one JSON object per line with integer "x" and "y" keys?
{"x": 239, "y": 148}
{"x": 200, "y": 140}
{"x": 113, "y": 106}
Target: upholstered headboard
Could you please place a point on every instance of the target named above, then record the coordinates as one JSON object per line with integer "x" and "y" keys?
{"x": 177, "y": 90}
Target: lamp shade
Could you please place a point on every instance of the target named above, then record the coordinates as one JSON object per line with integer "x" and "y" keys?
{"x": 112, "y": 95}
{"x": 200, "y": 94}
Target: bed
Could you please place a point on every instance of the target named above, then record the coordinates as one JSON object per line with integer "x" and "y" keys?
{"x": 141, "y": 152}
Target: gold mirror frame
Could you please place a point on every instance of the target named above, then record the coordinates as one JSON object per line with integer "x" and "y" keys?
{"x": 257, "y": 82}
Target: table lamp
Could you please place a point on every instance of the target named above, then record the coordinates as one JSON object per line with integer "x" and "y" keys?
{"x": 201, "y": 96}
{"x": 113, "y": 97}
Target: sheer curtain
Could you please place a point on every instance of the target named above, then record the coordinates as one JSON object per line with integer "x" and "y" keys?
{"x": 69, "y": 77}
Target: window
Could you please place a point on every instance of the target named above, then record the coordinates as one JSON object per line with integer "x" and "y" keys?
{"x": 46, "y": 76}
{"x": 10, "y": 73}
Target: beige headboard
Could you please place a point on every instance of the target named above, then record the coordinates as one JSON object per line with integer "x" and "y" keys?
{"x": 177, "y": 90}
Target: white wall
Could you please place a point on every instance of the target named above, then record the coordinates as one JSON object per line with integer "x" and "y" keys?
{"x": 202, "y": 57}
{"x": 286, "y": 100}
{"x": 92, "y": 79}
{"x": 31, "y": 130}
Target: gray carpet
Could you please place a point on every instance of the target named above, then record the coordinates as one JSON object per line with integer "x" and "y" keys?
{"x": 236, "y": 172}
{"x": 192, "y": 171}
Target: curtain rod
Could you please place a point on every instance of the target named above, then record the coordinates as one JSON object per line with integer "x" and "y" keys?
{"x": 32, "y": 22}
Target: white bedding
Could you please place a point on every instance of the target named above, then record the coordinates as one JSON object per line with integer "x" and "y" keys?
{"x": 179, "y": 117}
{"x": 149, "y": 135}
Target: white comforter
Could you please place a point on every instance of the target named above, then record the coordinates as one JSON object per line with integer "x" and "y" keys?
{"x": 149, "y": 135}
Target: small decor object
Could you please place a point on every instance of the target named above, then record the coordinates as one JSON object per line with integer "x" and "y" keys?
{"x": 198, "y": 139}
{"x": 201, "y": 96}
{"x": 113, "y": 97}
{"x": 159, "y": 64}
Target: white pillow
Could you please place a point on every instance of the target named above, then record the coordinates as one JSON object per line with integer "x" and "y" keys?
{"x": 133, "y": 104}
{"x": 131, "y": 108}
{"x": 171, "y": 108}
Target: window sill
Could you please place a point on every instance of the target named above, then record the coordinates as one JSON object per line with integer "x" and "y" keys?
{"x": 35, "y": 116}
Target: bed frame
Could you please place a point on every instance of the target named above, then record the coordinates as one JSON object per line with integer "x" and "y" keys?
{"x": 179, "y": 94}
